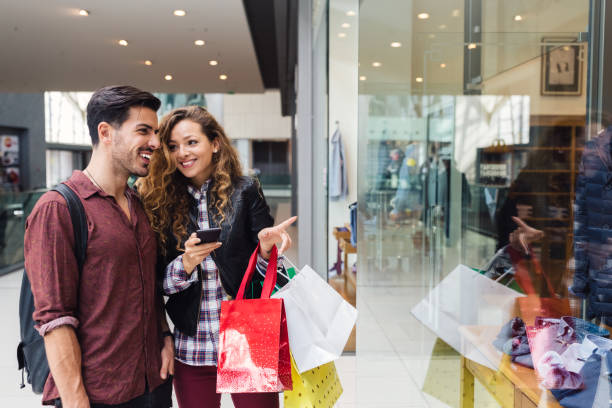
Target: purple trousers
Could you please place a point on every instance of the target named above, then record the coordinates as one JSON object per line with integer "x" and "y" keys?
{"x": 195, "y": 387}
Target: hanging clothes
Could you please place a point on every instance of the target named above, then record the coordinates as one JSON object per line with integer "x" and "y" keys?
{"x": 338, "y": 184}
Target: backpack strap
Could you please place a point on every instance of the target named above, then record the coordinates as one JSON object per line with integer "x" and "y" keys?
{"x": 79, "y": 222}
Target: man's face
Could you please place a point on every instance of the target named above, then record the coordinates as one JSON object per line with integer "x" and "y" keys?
{"x": 135, "y": 140}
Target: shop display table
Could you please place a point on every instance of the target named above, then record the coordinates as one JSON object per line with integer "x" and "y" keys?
{"x": 512, "y": 385}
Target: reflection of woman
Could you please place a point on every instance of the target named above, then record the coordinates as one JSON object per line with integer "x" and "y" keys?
{"x": 195, "y": 182}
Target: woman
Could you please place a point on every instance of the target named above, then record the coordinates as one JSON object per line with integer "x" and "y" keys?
{"x": 195, "y": 182}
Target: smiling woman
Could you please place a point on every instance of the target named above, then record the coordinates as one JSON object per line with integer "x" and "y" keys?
{"x": 194, "y": 149}
{"x": 196, "y": 183}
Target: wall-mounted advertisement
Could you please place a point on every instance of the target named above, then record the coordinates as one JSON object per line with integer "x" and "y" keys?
{"x": 9, "y": 162}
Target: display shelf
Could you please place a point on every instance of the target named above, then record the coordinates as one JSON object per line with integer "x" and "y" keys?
{"x": 546, "y": 171}
{"x": 538, "y": 193}
{"x": 540, "y": 174}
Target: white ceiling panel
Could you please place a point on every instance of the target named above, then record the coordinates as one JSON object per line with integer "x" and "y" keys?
{"x": 47, "y": 45}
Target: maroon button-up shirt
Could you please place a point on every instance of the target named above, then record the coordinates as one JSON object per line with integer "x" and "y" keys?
{"x": 114, "y": 303}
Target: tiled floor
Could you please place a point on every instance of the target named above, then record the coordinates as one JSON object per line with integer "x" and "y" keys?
{"x": 394, "y": 366}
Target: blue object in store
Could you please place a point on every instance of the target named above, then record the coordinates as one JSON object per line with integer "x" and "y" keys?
{"x": 582, "y": 327}
{"x": 353, "y": 209}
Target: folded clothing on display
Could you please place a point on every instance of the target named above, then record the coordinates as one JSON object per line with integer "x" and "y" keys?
{"x": 562, "y": 347}
{"x": 582, "y": 327}
{"x": 547, "y": 342}
{"x": 512, "y": 340}
{"x": 597, "y": 389}
{"x": 559, "y": 348}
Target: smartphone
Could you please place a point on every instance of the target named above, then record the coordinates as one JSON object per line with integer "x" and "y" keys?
{"x": 209, "y": 235}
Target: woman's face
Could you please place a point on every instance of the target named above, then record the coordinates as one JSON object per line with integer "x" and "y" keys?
{"x": 192, "y": 151}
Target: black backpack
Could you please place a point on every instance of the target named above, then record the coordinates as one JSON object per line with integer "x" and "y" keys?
{"x": 31, "y": 354}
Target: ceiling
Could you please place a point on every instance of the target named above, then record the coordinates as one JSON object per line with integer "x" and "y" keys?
{"x": 47, "y": 45}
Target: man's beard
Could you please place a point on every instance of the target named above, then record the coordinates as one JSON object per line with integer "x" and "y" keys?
{"x": 123, "y": 163}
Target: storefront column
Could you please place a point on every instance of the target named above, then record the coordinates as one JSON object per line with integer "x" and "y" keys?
{"x": 599, "y": 85}
{"x": 472, "y": 76}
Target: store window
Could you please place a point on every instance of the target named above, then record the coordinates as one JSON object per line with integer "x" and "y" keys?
{"x": 61, "y": 164}
{"x": 67, "y": 134}
{"x": 482, "y": 206}
{"x": 271, "y": 163}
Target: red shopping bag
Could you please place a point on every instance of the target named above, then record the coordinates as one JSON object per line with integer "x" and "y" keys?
{"x": 253, "y": 341}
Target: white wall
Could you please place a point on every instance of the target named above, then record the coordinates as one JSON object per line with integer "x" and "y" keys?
{"x": 255, "y": 116}
{"x": 343, "y": 72}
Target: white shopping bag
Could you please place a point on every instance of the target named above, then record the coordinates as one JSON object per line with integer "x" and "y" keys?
{"x": 468, "y": 302}
{"x": 319, "y": 320}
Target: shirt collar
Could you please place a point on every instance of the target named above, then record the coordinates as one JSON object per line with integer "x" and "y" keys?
{"x": 198, "y": 193}
{"x": 592, "y": 342}
{"x": 86, "y": 188}
{"x": 83, "y": 185}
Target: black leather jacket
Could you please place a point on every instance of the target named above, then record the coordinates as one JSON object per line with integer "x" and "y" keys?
{"x": 248, "y": 215}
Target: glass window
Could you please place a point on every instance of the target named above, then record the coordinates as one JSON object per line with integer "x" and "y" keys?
{"x": 271, "y": 163}
{"x": 66, "y": 118}
{"x": 61, "y": 164}
{"x": 476, "y": 216}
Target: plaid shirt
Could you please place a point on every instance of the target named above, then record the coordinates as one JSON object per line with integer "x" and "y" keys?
{"x": 202, "y": 349}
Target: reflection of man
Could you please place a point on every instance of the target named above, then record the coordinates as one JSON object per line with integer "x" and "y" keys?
{"x": 102, "y": 326}
{"x": 593, "y": 228}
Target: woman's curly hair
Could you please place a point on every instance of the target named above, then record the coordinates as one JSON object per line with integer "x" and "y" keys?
{"x": 164, "y": 190}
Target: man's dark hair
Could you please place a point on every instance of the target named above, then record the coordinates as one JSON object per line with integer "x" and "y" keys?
{"x": 112, "y": 104}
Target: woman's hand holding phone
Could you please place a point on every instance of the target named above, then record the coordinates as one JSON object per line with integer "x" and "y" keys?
{"x": 195, "y": 252}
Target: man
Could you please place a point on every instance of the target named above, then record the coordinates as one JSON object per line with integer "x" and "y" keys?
{"x": 592, "y": 228}
{"x": 104, "y": 334}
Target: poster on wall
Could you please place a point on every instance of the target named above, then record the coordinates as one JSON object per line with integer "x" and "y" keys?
{"x": 9, "y": 149}
{"x": 10, "y": 174}
{"x": 561, "y": 67}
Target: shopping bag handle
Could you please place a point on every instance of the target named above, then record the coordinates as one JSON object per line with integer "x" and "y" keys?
{"x": 269, "y": 280}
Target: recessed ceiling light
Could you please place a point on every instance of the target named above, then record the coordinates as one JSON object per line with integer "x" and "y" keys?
{"x": 442, "y": 26}
{"x": 363, "y": 78}
{"x": 341, "y": 35}
{"x": 148, "y": 62}
{"x": 376, "y": 64}
{"x": 123, "y": 43}
{"x": 223, "y": 77}
{"x": 168, "y": 77}
{"x": 213, "y": 62}
{"x": 442, "y": 65}
{"x": 566, "y": 48}
{"x": 350, "y": 13}
{"x": 432, "y": 36}
{"x": 518, "y": 17}
{"x": 423, "y": 16}
{"x": 419, "y": 79}
{"x": 179, "y": 13}
{"x": 83, "y": 12}
{"x": 396, "y": 44}
{"x": 345, "y": 25}
{"x": 199, "y": 43}
{"x": 471, "y": 46}
{"x": 455, "y": 13}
